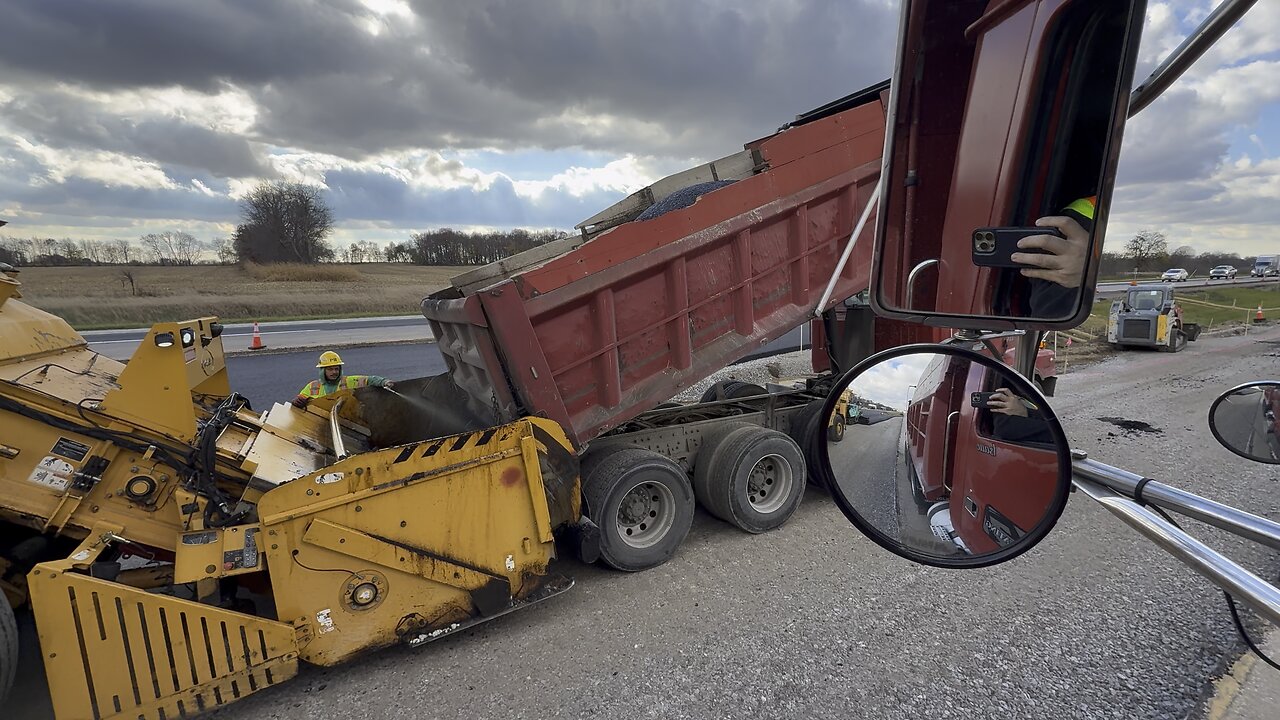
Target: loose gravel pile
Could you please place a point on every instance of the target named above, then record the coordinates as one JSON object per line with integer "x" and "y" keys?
{"x": 788, "y": 365}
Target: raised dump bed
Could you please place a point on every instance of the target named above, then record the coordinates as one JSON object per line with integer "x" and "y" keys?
{"x": 601, "y": 327}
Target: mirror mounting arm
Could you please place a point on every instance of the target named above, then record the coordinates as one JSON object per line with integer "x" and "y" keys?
{"x": 1255, "y": 592}
{"x": 848, "y": 249}
{"x": 1235, "y": 521}
{"x": 1025, "y": 355}
{"x": 1195, "y": 45}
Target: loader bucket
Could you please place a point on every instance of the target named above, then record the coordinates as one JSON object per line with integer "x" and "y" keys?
{"x": 1192, "y": 331}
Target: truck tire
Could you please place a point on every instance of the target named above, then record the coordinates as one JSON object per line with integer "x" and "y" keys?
{"x": 804, "y": 431}
{"x": 8, "y": 647}
{"x": 835, "y": 431}
{"x": 643, "y": 505}
{"x": 750, "y": 477}
{"x": 730, "y": 390}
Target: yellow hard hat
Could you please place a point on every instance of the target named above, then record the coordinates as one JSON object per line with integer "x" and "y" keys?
{"x": 329, "y": 358}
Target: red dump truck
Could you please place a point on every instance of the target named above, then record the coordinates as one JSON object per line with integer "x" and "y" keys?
{"x": 599, "y": 330}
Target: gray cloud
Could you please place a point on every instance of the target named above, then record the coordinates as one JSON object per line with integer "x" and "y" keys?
{"x": 473, "y": 74}
{"x": 373, "y": 196}
{"x": 66, "y": 121}
{"x": 159, "y": 43}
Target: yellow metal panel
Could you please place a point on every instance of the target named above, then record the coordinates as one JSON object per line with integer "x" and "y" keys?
{"x": 29, "y": 332}
{"x": 366, "y": 547}
{"x": 529, "y": 448}
{"x": 464, "y": 502}
{"x": 112, "y": 651}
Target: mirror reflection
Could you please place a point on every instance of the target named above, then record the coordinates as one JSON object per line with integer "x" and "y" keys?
{"x": 1244, "y": 420}
{"x": 1003, "y": 138}
{"x": 950, "y": 458}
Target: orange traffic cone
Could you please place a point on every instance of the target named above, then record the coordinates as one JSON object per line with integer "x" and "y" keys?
{"x": 257, "y": 343}
{"x": 1258, "y": 316}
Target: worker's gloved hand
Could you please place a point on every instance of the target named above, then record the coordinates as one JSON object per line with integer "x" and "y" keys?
{"x": 388, "y": 385}
{"x": 1064, "y": 264}
{"x": 301, "y": 402}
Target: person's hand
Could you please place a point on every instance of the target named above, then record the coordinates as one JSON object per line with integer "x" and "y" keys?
{"x": 301, "y": 402}
{"x": 388, "y": 385}
{"x": 1065, "y": 264}
{"x": 1006, "y": 403}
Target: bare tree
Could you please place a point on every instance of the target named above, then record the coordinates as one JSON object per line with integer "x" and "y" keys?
{"x": 127, "y": 278}
{"x": 171, "y": 247}
{"x": 1146, "y": 247}
{"x": 124, "y": 251}
{"x": 225, "y": 249}
{"x": 284, "y": 222}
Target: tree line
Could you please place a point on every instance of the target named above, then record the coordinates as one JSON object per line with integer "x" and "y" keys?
{"x": 163, "y": 248}
{"x": 1148, "y": 251}
{"x": 280, "y": 222}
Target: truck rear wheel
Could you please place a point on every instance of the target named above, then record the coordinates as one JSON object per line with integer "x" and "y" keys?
{"x": 8, "y": 647}
{"x": 750, "y": 477}
{"x": 804, "y": 430}
{"x": 643, "y": 505}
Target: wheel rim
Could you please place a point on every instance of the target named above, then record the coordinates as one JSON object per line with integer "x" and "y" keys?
{"x": 769, "y": 484}
{"x": 646, "y": 514}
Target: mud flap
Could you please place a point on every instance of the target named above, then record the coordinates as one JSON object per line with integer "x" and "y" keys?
{"x": 112, "y": 651}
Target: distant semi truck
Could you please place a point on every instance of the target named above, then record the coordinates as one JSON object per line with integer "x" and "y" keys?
{"x": 1266, "y": 266}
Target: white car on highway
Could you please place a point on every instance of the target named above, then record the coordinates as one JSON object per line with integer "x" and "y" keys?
{"x": 1225, "y": 272}
{"x": 1174, "y": 275}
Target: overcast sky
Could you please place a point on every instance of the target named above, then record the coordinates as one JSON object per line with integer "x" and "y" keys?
{"x": 132, "y": 116}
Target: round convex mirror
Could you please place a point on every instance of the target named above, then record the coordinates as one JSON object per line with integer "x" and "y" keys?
{"x": 948, "y": 458}
{"x": 1246, "y": 420}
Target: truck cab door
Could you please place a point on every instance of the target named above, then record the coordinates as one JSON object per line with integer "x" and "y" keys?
{"x": 1001, "y": 112}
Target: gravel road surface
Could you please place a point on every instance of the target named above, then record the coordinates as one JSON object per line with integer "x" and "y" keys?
{"x": 813, "y": 621}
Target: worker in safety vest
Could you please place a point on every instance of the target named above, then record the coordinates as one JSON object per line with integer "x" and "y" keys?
{"x": 332, "y": 380}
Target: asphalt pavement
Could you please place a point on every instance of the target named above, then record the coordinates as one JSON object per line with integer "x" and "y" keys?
{"x": 1107, "y": 289}
{"x": 237, "y": 338}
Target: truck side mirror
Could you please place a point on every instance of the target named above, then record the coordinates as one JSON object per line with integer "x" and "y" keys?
{"x": 1001, "y": 113}
{"x": 1246, "y": 421}
{"x": 955, "y": 461}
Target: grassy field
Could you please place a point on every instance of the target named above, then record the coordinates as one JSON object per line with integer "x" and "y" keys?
{"x": 101, "y": 297}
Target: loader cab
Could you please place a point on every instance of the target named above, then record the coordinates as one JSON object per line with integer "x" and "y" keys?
{"x": 1145, "y": 298}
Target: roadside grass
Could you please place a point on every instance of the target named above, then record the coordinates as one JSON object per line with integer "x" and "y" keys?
{"x": 298, "y": 272}
{"x": 98, "y": 298}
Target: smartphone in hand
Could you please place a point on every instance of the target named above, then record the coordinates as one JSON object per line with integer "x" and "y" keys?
{"x": 993, "y": 246}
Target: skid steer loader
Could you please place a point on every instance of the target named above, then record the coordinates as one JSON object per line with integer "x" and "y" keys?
{"x": 181, "y": 550}
{"x": 1149, "y": 316}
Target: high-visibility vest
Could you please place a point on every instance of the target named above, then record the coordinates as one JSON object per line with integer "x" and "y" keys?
{"x": 315, "y": 388}
{"x": 1084, "y": 208}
